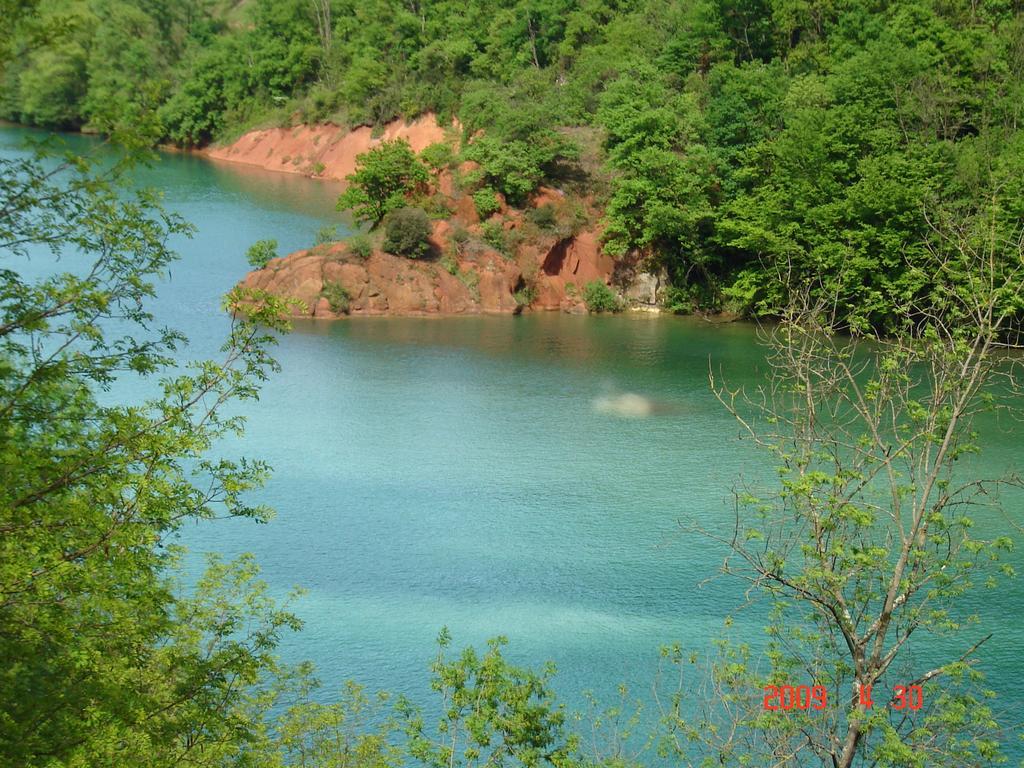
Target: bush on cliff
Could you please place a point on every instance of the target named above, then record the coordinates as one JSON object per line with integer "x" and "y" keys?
{"x": 360, "y": 245}
{"x": 600, "y": 298}
{"x": 327, "y": 234}
{"x": 495, "y": 236}
{"x": 511, "y": 167}
{"x": 384, "y": 177}
{"x": 261, "y": 252}
{"x": 543, "y": 217}
{"x": 407, "y": 230}
{"x": 486, "y": 203}
{"x": 438, "y": 156}
{"x": 337, "y": 296}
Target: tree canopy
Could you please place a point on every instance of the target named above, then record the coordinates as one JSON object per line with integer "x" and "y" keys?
{"x": 384, "y": 177}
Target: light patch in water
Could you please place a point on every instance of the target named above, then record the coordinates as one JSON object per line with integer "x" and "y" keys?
{"x": 628, "y": 405}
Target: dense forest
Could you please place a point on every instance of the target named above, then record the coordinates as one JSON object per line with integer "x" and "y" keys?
{"x": 737, "y": 138}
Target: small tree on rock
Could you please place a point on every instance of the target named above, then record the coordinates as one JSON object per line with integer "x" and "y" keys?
{"x": 384, "y": 177}
{"x": 261, "y": 252}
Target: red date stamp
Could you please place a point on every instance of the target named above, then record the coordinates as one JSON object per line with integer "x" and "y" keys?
{"x": 783, "y": 698}
{"x": 786, "y": 697}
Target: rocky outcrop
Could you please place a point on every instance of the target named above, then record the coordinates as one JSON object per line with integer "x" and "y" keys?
{"x": 646, "y": 290}
{"x": 544, "y": 263}
{"x": 383, "y": 284}
{"x": 574, "y": 262}
{"x": 484, "y": 282}
{"x": 326, "y": 151}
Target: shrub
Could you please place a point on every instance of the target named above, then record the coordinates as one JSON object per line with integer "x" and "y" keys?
{"x": 360, "y": 245}
{"x": 543, "y": 217}
{"x": 460, "y": 234}
{"x": 471, "y": 279}
{"x": 600, "y": 298}
{"x": 337, "y": 297}
{"x": 261, "y": 252}
{"x": 572, "y": 221}
{"x": 326, "y": 235}
{"x": 437, "y": 156}
{"x": 679, "y": 300}
{"x": 494, "y": 235}
{"x": 436, "y": 205}
{"x": 579, "y": 218}
{"x": 525, "y": 295}
{"x": 450, "y": 264}
{"x": 407, "y": 231}
{"x": 512, "y": 167}
{"x": 486, "y": 202}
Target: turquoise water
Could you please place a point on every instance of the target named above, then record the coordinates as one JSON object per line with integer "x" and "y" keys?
{"x": 432, "y": 472}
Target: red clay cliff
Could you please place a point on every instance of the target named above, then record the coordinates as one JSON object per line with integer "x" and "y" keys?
{"x": 538, "y": 267}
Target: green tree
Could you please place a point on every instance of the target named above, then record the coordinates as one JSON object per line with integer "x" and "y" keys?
{"x": 494, "y": 714}
{"x": 107, "y": 660}
{"x": 49, "y": 81}
{"x": 485, "y": 202}
{"x": 384, "y": 178}
{"x": 665, "y": 186}
{"x": 261, "y": 252}
{"x": 126, "y": 65}
{"x": 511, "y": 167}
{"x": 198, "y": 109}
{"x": 326, "y": 234}
{"x": 866, "y": 548}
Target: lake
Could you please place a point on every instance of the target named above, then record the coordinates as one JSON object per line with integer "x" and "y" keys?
{"x": 455, "y": 472}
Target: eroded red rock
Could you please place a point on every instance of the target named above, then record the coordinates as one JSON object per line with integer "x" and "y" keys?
{"x": 551, "y": 270}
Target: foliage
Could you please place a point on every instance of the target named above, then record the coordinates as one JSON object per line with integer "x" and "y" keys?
{"x": 261, "y": 252}
{"x": 495, "y": 236}
{"x": 436, "y": 205}
{"x": 679, "y": 300}
{"x": 493, "y": 714}
{"x": 406, "y": 232}
{"x": 471, "y": 279}
{"x": 350, "y": 729}
{"x": 486, "y": 203}
{"x": 854, "y": 158}
{"x": 543, "y": 216}
{"x": 450, "y": 263}
{"x": 599, "y": 297}
{"x": 867, "y": 546}
{"x": 337, "y": 297}
{"x": 360, "y": 245}
{"x": 438, "y": 156}
{"x": 326, "y": 234}
{"x": 384, "y": 177}
{"x": 661, "y": 203}
{"x": 525, "y": 295}
{"x": 107, "y": 660}
{"x": 511, "y": 167}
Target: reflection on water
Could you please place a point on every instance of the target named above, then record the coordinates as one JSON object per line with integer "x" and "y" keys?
{"x": 314, "y": 197}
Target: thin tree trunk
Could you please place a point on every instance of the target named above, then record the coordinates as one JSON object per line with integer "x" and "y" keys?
{"x": 533, "y": 39}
